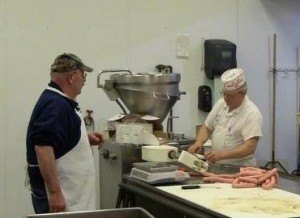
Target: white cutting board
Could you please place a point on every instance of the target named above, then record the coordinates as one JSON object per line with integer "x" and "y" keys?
{"x": 245, "y": 203}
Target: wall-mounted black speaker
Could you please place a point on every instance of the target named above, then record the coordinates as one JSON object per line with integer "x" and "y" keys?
{"x": 204, "y": 98}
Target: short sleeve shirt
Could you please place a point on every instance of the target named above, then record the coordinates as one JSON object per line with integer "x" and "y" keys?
{"x": 54, "y": 122}
{"x": 240, "y": 124}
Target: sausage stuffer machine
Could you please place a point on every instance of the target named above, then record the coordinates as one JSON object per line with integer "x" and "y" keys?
{"x": 141, "y": 93}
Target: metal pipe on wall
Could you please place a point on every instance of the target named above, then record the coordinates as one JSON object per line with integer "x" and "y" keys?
{"x": 298, "y": 102}
{"x": 274, "y": 99}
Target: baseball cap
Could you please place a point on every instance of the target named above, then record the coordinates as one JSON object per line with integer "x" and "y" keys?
{"x": 67, "y": 62}
{"x": 233, "y": 79}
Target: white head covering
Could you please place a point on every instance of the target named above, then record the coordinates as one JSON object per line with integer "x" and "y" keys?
{"x": 233, "y": 79}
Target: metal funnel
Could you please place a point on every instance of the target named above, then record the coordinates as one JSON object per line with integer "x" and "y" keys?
{"x": 144, "y": 93}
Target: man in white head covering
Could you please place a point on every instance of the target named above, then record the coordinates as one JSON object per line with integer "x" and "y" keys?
{"x": 234, "y": 124}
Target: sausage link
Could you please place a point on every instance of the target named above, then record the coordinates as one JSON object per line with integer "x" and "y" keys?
{"x": 248, "y": 179}
{"x": 271, "y": 183}
{"x": 236, "y": 181}
{"x": 267, "y": 175}
{"x": 229, "y": 176}
{"x": 254, "y": 169}
{"x": 208, "y": 174}
{"x": 217, "y": 179}
{"x": 277, "y": 179}
{"x": 256, "y": 176}
{"x": 243, "y": 185}
{"x": 251, "y": 173}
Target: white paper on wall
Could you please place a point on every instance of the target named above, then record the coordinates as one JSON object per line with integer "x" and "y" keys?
{"x": 182, "y": 45}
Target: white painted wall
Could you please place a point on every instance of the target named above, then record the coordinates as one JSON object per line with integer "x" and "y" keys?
{"x": 2, "y": 155}
{"x": 2, "y": 126}
{"x": 137, "y": 34}
{"x": 259, "y": 20}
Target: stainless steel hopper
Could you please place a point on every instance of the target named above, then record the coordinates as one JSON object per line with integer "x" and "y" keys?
{"x": 143, "y": 93}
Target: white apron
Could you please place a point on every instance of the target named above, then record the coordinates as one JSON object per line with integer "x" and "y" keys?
{"x": 218, "y": 138}
{"x": 220, "y": 141}
{"x": 76, "y": 172}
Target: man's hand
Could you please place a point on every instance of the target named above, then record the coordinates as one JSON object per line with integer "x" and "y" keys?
{"x": 47, "y": 164}
{"x": 195, "y": 148}
{"x": 95, "y": 138}
{"x": 243, "y": 150}
{"x": 57, "y": 202}
{"x": 214, "y": 156}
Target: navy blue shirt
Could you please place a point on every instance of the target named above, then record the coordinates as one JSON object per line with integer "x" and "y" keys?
{"x": 54, "y": 122}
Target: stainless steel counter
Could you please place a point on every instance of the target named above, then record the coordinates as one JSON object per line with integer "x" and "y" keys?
{"x": 134, "y": 192}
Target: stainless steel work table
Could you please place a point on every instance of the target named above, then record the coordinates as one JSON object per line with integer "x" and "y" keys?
{"x": 134, "y": 192}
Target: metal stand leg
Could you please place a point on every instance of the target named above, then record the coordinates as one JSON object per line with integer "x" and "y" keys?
{"x": 125, "y": 198}
{"x": 121, "y": 197}
{"x": 273, "y": 163}
{"x": 274, "y": 71}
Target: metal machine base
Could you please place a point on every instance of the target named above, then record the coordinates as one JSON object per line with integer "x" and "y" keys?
{"x": 115, "y": 160}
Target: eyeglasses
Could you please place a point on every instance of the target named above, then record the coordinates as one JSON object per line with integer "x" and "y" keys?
{"x": 82, "y": 74}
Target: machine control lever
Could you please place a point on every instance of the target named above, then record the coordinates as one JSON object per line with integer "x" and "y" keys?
{"x": 112, "y": 156}
{"x": 107, "y": 155}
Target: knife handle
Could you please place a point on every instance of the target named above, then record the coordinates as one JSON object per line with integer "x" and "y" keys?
{"x": 191, "y": 186}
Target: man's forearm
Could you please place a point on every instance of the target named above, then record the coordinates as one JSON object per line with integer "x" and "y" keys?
{"x": 243, "y": 150}
{"x": 47, "y": 165}
{"x": 202, "y": 135}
